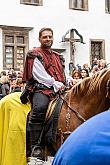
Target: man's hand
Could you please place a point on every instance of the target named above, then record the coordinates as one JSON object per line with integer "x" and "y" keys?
{"x": 58, "y": 86}
{"x": 62, "y": 89}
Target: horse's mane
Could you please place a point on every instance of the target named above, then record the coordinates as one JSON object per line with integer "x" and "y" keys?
{"x": 89, "y": 84}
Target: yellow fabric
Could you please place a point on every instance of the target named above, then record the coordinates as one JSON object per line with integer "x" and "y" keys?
{"x": 13, "y": 116}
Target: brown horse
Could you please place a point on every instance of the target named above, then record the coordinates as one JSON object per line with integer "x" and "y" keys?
{"x": 86, "y": 99}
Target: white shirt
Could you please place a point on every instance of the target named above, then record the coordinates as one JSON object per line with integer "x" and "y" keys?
{"x": 39, "y": 73}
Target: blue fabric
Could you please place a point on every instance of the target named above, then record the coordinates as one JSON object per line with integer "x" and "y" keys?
{"x": 89, "y": 144}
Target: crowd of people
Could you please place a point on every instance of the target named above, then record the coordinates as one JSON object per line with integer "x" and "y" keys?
{"x": 10, "y": 82}
{"x": 78, "y": 73}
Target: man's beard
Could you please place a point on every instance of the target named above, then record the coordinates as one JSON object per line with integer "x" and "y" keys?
{"x": 47, "y": 46}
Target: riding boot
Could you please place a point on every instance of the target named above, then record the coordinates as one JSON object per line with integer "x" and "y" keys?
{"x": 36, "y": 131}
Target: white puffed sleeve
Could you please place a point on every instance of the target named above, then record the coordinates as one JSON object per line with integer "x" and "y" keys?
{"x": 39, "y": 73}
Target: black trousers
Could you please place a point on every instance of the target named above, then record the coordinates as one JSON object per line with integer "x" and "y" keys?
{"x": 40, "y": 103}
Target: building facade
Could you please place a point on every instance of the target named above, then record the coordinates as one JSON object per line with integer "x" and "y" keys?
{"x": 81, "y": 29}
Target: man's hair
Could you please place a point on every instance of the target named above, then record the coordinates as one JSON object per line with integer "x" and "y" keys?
{"x": 43, "y": 29}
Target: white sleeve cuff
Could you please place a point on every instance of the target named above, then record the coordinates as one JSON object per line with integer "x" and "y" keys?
{"x": 57, "y": 85}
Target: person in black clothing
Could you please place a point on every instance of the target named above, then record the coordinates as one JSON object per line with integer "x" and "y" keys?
{"x": 4, "y": 87}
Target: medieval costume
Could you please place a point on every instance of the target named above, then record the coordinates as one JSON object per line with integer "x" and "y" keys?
{"x": 45, "y": 72}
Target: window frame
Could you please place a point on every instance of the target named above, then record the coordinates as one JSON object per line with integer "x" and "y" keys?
{"x": 15, "y": 32}
{"x": 107, "y": 6}
{"x": 40, "y": 3}
{"x": 102, "y": 48}
{"x": 84, "y": 4}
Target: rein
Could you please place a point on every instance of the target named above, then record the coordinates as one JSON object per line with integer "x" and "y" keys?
{"x": 107, "y": 87}
{"x": 81, "y": 118}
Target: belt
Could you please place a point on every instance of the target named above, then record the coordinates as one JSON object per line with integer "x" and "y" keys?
{"x": 39, "y": 86}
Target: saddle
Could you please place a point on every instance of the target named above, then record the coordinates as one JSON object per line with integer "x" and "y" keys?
{"x": 52, "y": 116}
{"x": 51, "y": 108}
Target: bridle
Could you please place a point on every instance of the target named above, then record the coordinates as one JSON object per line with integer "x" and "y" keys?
{"x": 79, "y": 116}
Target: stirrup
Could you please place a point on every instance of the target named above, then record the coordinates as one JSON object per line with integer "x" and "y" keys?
{"x": 37, "y": 152}
{"x": 35, "y": 161}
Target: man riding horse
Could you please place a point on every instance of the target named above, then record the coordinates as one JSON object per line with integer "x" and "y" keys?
{"x": 44, "y": 74}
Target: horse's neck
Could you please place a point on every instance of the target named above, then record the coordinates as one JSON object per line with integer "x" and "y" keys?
{"x": 88, "y": 106}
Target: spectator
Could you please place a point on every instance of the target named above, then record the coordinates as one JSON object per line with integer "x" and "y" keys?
{"x": 95, "y": 62}
{"x": 84, "y": 73}
{"x": 102, "y": 64}
{"x": 19, "y": 84}
{"x": 76, "y": 74}
{"x": 3, "y": 73}
{"x": 5, "y": 88}
{"x": 20, "y": 73}
{"x": 94, "y": 70}
{"x": 16, "y": 85}
{"x": 79, "y": 67}
{"x": 86, "y": 66}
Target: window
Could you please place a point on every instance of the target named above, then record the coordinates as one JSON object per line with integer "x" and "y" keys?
{"x": 15, "y": 46}
{"x": 97, "y": 50}
{"x": 9, "y": 50}
{"x": 78, "y": 4}
{"x": 32, "y": 2}
{"x": 20, "y": 56}
{"x": 107, "y": 6}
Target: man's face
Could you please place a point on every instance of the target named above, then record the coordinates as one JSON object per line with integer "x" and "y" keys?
{"x": 46, "y": 39}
